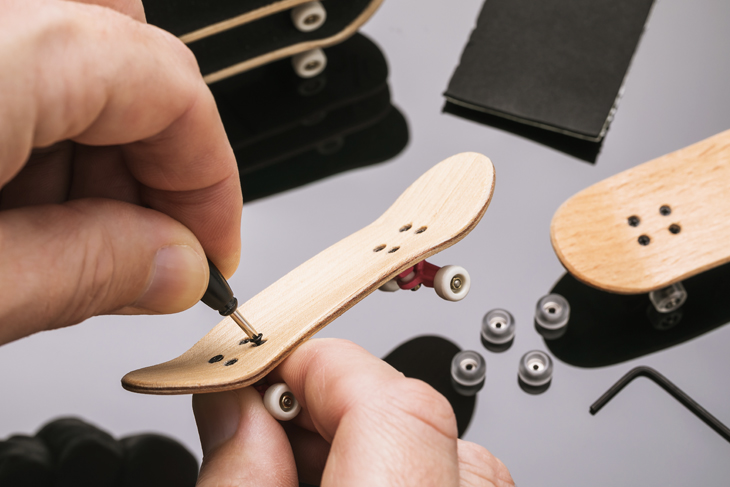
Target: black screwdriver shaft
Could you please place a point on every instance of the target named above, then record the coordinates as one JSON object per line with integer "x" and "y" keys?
{"x": 219, "y": 296}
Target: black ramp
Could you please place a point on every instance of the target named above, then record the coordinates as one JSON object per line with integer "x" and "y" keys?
{"x": 557, "y": 64}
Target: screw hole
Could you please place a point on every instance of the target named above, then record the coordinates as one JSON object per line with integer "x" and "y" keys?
{"x": 215, "y": 359}
{"x": 231, "y": 362}
{"x": 674, "y": 228}
{"x": 634, "y": 221}
{"x": 535, "y": 367}
{"x": 422, "y": 229}
{"x": 644, "y": 240}
{"x": 379, "y": 248}
{"x": 394, "y": 249}
{"x": 405, "y": 228}
{"x": 665, "y": 210}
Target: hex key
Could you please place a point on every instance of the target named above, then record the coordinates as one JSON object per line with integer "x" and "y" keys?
{"x": 675, "y": 391}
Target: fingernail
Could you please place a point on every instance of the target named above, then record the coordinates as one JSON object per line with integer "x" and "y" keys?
{"x": 178, "y": 280}
{"x": 218, "y": 416}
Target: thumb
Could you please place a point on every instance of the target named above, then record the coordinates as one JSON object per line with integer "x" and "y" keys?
{"x": 242, "y": 443}
{"x": 61, "y": 264}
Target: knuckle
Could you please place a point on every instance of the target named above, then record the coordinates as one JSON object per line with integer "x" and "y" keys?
{"x": 419, "y": 400}
{"x": 182, "y": 54}
{"x": 480, "y": 467}
{"x": 94, "y": 280}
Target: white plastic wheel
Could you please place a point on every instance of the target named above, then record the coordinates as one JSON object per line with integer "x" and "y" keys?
{"x": 308, "y": 16}
{"x": 281, "y": 403}
{"x": 452, "y": 283}
{"x": 309, "y": 64}
{"x": 390, "y": 286}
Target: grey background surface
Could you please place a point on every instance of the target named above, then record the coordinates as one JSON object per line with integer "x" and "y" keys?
{"x": 676, "y": 93}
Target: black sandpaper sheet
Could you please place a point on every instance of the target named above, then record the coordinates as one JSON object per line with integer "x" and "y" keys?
{"x": 556, "y": 64}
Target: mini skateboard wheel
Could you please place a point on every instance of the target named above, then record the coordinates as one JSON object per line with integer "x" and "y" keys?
{"x": 309, "y": 64}
{"x": 452, "y": 283}
{"x": 552, "y": 312}
{"x": 668, "y": 299}
{"x": 281, "y": 403}
{"x": 468, "y": 372}
{"x": 390, "y": 286}
{"x": 536, "y": 368}
{"x": 308, "y": 16}
{"x": 498, "y": 327}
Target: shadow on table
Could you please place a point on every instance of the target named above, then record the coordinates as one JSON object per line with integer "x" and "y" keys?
{"x": 606, "y": 329}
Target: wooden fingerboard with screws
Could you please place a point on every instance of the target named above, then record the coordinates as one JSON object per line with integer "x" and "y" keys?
{"x": 652, "y": 225}
{"x": 435, "y": 212}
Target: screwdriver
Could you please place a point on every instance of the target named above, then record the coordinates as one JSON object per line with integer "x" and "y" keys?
{"x": 219, "y": 296}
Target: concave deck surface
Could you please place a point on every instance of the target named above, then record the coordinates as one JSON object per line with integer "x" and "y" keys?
{"x": 444, "y": 205}
{"x": 594, "y": 241}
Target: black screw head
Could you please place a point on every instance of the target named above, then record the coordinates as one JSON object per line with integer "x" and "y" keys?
{"x": 674, "y": 228}
{"x": 665, "y": 210}
{"x": 644, "y": 240}
{"x": 215, "y": 359}
{"x": 634, "y": 221}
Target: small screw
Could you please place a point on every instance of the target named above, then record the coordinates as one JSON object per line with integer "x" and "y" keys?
{"x": 311, "y": 19}
{"x": 644, "y": 240}
{"x": 634, "y": 221}
{"x": 665, "y": 210}
{"x": 456, "y": 283}
{"x": 416, "y": 288}
{"x": 286, "y": 402}
{"x": 215, "y": 359}
{"x": 674, "y": 228}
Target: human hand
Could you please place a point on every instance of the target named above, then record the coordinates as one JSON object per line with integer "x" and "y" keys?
{"x": 116, "y": 176}
{"x": 362, "y": 423}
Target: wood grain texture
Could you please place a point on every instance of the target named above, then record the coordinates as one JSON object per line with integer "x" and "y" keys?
{"x": 295, "y": 48}
{"x": 593, "y": 239}
{"x": 448, "y": 201}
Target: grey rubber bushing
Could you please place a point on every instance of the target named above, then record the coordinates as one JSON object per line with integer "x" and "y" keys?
{"x": 498, "y": 327}
{"x": 552, "y": 312}
{"x": 536, "y": 368}
{"x": 468, "y": 372}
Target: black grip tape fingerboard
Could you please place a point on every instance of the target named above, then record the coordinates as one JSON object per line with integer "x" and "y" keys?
{"x": 555, "y": 64}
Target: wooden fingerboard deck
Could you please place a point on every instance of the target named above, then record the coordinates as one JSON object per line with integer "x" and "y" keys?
{"x": 680, "y": 204}
{"x": 435, "y": 212}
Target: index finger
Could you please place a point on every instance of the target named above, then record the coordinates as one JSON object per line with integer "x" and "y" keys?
{"x": 96, "y": 76}
{"x": 385, "y": 429}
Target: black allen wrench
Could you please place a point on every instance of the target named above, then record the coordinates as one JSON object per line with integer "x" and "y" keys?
{"x": 665, "y": 384}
